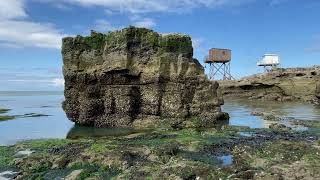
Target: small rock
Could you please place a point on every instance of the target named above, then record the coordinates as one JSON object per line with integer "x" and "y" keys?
{"x": 271, "y": 97}
{"x": 277, "y": 126}
{"x": 248, "y": 174}
{"x": 24, "y": 153}
{"x": 270, "y": 117}
{"x": 288, "y": 98}
{"x": 60, "y": 163}
{"x": 7, "y": 175}
{"x": 74, "y": 174}
{"x": 257, "y": 113}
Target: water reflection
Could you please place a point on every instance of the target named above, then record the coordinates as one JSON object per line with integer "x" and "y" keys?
{"x": 54, "y": 126}
{"x": 78, "y": 131}
{"x": 240, "y": 109}
{"x": 226, "y": 160}
{"x": 58, "y": 126}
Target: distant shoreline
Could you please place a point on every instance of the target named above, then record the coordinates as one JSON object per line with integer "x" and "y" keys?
{"x": 30, "y": 93}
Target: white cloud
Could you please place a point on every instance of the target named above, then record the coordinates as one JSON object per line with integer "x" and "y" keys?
{"x": 29, "y": 34}
{"x": 57, "y": 82}
{"x": 103, "y": 25}
{"x": 140, "y": 21}
{"x": 12, "y": 9}
{"x": 17, "y": 31}
{"x": 145, "y": 22}
{"x": 197, "y": 42}
{"x": 9, "y": 45}
{"x": 146, "y": 6}
{"x": 108, "y": 12}
{"x": 277, "y": 2}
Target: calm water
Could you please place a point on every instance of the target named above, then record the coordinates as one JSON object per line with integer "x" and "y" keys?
{"x": 58, "y": 126}
{"x": 240, "y": 109}
{"x": 54, "y": 126}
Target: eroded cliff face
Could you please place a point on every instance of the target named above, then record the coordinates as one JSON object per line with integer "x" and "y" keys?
{"x": 133, "y": 76}
{"x": 281, "y": 85}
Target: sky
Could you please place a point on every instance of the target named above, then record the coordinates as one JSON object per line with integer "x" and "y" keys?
{"x": 31, "y": 32}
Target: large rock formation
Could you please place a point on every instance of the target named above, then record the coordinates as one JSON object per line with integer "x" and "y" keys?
{"x": 318, "y": 91}
{"x": 125, "y": 77}
{"x": 279, "y": 84}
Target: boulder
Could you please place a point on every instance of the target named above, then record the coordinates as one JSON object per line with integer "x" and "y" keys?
{"x": 115, "y": 79}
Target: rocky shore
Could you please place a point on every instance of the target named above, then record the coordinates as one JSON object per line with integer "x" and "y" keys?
{"x": 166, "y": 117}
{"x": 224, "y": 152}
{"x": 136, "y": 77}
{"x": 279, "y": 85}
{"x": 288, "y": 149}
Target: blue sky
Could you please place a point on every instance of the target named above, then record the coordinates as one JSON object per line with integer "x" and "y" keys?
{"x": 31, "y": 32}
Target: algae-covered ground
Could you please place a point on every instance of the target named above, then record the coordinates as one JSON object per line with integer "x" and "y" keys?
{"x": 225, "y": 152}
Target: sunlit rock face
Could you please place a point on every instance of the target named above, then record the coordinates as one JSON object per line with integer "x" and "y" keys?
{"x": 135, "y": 74}
{"x": 288, "y": 84}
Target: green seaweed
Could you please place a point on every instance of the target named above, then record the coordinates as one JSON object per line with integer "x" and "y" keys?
{"x": 102, "y": 146}
{"x": 6, "y": 118}
{"x": 45, "y": 143}
{"x": 2, "y": 111}
{"x": 186, "y": 153}
{"x": 6, "y": 156}
{"x": 96, "y": 171}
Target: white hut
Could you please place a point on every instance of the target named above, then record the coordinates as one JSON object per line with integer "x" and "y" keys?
{"x": 269, "y": 61}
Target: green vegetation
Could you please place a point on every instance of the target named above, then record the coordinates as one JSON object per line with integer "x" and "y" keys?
{"x": 2, "y": 111}
{"x": 186, "y": 153}
{"x": 6, "y": 118}
{"x": 96, "y": 171}
{"x": 116, "y": 38}
{"x": 176, "y": 43}
{"x": 283, "y": 151}
{"x": 95, "y": 41}
{"x": 102, "y": 146}
{"x": 6, "y": 156}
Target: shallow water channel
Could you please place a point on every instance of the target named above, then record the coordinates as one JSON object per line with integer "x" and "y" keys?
{"x": 56, "y": 125}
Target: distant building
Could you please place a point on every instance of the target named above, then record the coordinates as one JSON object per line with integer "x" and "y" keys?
{"x": 269, "y": 61}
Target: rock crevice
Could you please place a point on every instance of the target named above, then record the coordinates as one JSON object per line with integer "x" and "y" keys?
{"x": 118, "y": 78}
